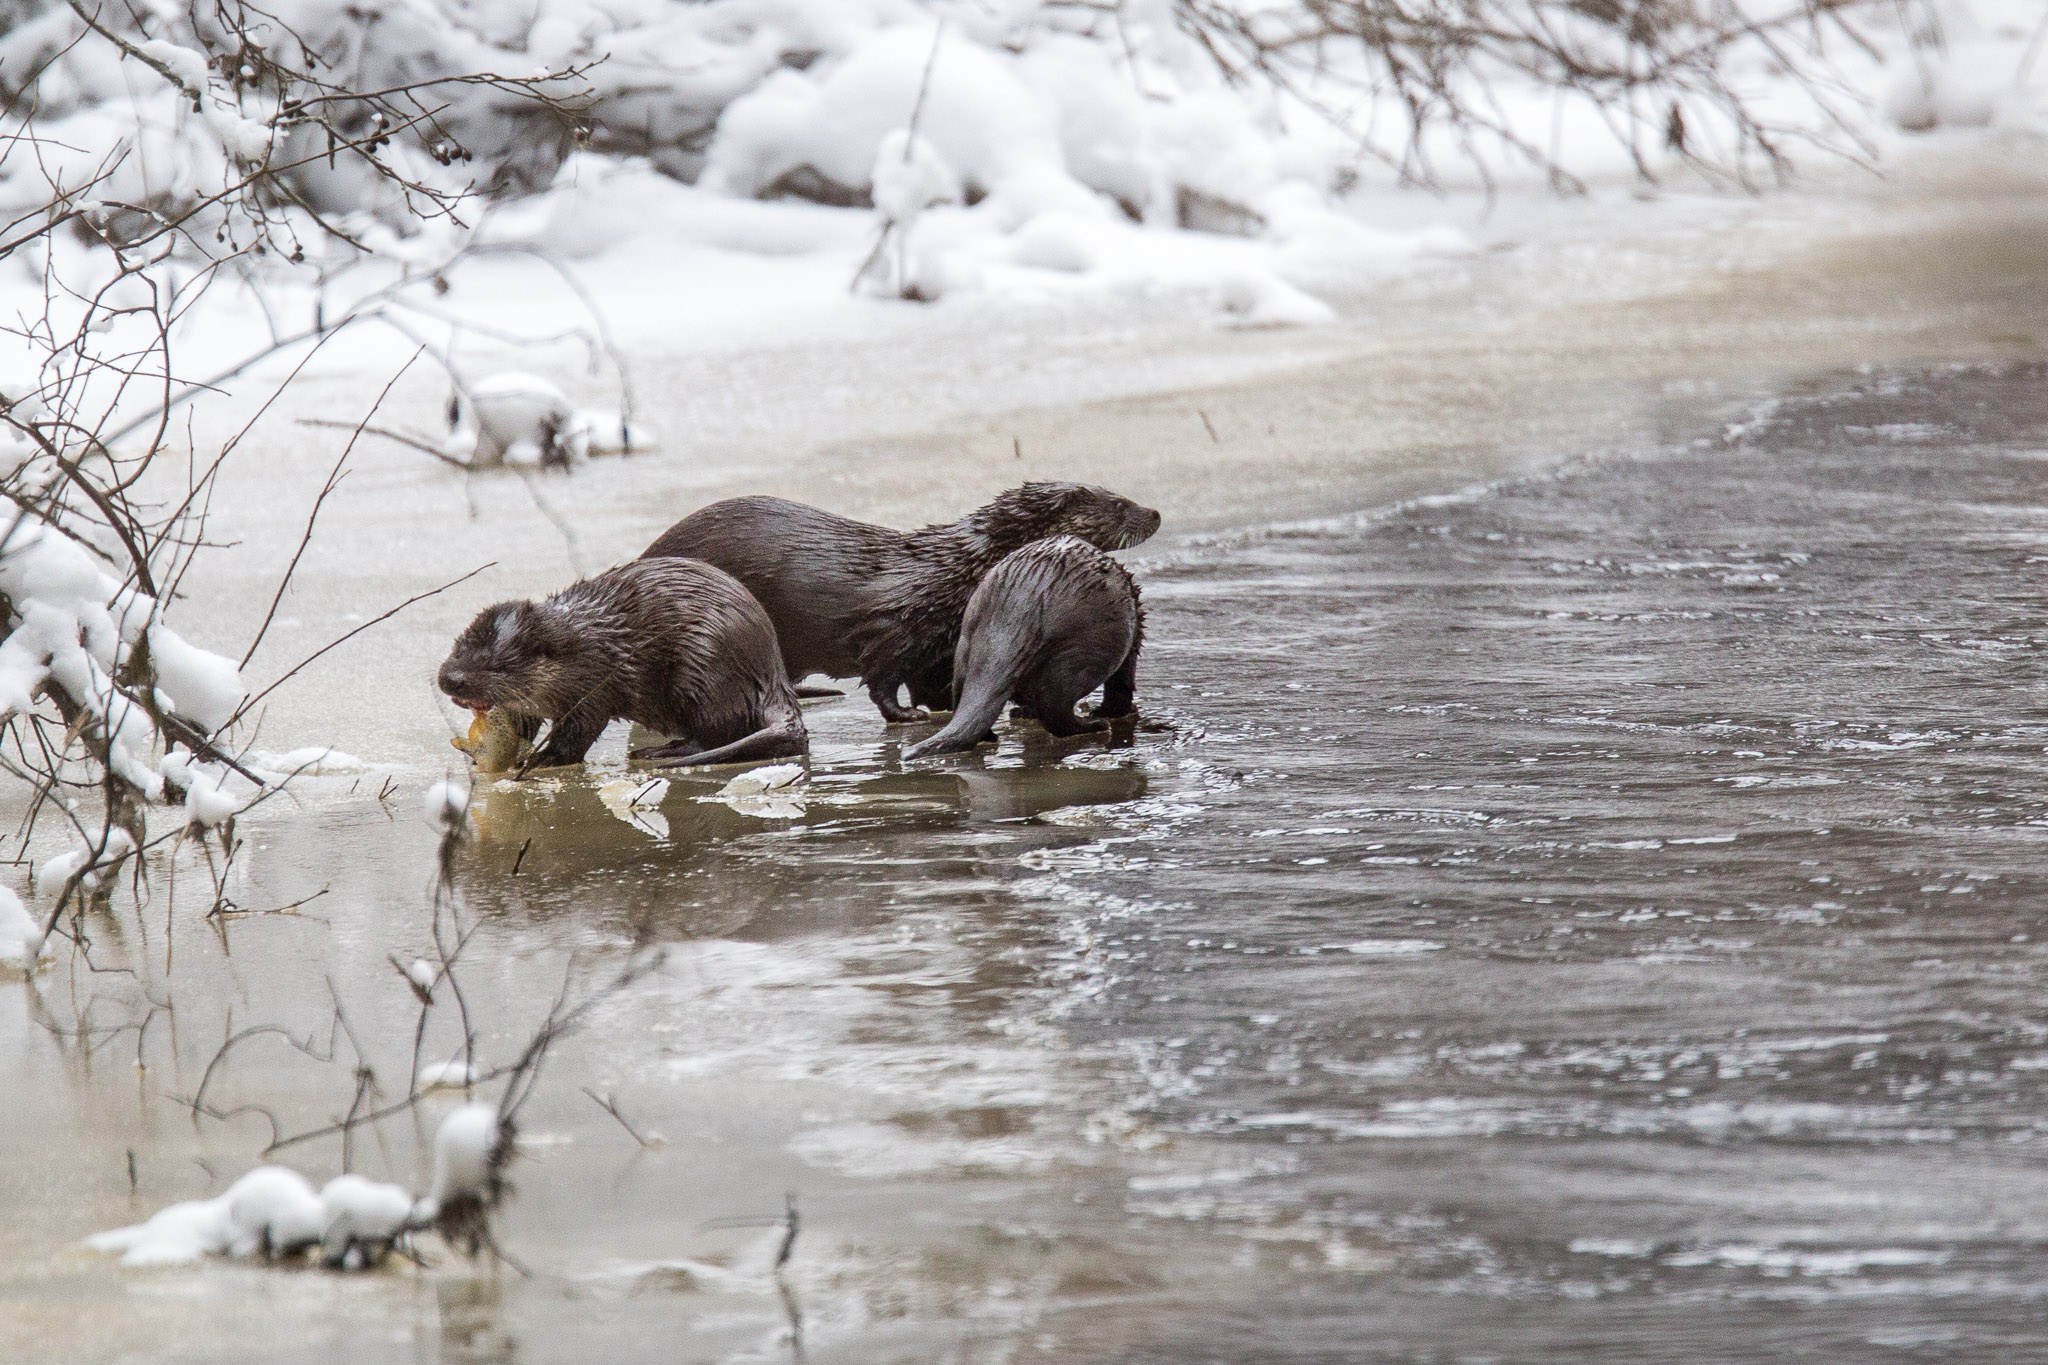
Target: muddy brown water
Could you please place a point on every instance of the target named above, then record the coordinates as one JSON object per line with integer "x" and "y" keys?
{"x": 1594, "y": 917}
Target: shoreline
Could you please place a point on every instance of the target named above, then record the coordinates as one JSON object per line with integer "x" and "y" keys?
{"x": 1476, "y": 369}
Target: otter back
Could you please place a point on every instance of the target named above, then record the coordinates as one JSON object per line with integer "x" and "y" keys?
{"x": 1049, "y": 625}
{"x": 851, "y": 599}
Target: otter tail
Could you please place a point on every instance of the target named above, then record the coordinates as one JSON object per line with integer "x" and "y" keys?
{"x": 782, "y": 738}
{"x": 973, "y": 720}
{"x": 992, "y": 658}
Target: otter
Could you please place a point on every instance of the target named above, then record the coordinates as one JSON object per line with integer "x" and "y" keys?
{"x": 853, "y": 600}
{"x": 674, "y": 644}
{"x": 1047, "y": 626}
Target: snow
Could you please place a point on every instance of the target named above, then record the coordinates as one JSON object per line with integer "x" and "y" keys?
{"x": 910, "y": 176}
{"x": 180, "y": 1233}
{"x": 466, "y": 1154}
{"x": 74, "y": 626}
{"x": 21, "y": 936}
{"x": 271, "y": 1211}
{"x": 636, "y": 793}
{"x": 637, "y": 801}
{"x": 755, "y": 781}
{"x": 359, "y": 1213}
{"x": 188, "y": 66}
{"x": 772, "y": 792}
{"x": 521, "y": 420}
{"x": 96, "y": 855}
{"x": 208, "y": 799}
{"x": 1261, "y": 300}
{"x": 318, "y": 760}
{"x": 453, "y": 1075}
{"x": 422, "y": 974}
{"x": 447, "y": 805}
{"x": 203, "y": 687}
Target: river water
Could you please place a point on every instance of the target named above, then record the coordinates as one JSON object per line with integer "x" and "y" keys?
{"x": 1593, "y": 917}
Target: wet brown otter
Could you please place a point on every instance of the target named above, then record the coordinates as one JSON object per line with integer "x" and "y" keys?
{"x": 1049, "y": 624}
{"x": 671, "y": 643}
{"x": 853, "y": 600}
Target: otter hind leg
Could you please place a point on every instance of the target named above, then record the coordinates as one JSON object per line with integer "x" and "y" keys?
{"x": 1048, "y": 696}
{"x": 1120, "y": 693}
{"x": 883, "y": 694}
{"x": 1061, "y": 721}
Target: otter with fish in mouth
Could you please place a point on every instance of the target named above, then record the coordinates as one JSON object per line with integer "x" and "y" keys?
{"x": 673, "y": 644}
{"x": 849, "y": 599}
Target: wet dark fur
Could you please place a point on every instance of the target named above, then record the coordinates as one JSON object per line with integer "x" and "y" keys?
{"x": 1047, "y": 626}
{"x": 853, "y": 600}
{"x": 674, "y": 644}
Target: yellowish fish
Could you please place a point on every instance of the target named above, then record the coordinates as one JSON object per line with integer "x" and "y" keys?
{"x": 494, "y": 742}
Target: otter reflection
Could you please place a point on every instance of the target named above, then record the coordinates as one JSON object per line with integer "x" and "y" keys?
{"x": 721, "y": 871}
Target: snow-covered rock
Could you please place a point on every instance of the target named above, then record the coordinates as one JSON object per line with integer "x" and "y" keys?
{"x": 523, "y": 420}
{"x": 360, "y": 1219}
{"x": 19, "y": 933}
{"x": 447, "y": 805}
{"x": 92, "y": 858}
{"x": 272, "y": 1211}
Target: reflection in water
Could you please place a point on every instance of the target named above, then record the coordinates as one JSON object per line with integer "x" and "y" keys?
{"x": 472, "y": 1327}
{"x": 1597, "y": 918}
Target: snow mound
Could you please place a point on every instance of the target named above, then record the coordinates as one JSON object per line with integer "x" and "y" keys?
{"x": 360, "y": 1216}
{"x": 89, "y": 859}
{"x": 637, "y": 801}
{"x": 208, "y": 800}
{"x": 521, "y": 420}
{"x": 1258, "y": 298}
{"x": 21, "y": 937}
{"x": 447, "y": 805}
{"x": 271, "y": 1210}
{"x": 455, "y": 1075}
{"x": 468, "y": 1152}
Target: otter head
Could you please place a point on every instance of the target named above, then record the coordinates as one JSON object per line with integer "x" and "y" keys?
{"x": 1098, "y": 516}
{"x": 518, "y": 655}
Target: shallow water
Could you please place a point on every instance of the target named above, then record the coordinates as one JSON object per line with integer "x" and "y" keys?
{"x": 1591, "y": 918}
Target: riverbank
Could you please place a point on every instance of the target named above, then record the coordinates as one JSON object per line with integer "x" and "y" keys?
{"x": 1570, "y": 329}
